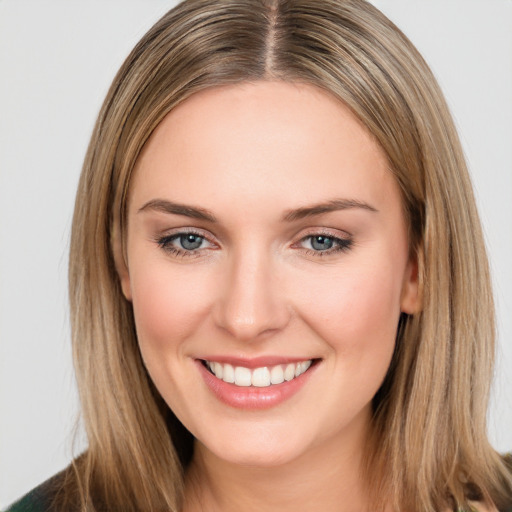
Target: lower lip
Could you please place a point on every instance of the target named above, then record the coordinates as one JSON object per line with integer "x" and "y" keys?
{"x": 253, "y": 397}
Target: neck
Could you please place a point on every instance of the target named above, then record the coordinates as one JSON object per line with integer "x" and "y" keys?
{"x": 327, "y": 477}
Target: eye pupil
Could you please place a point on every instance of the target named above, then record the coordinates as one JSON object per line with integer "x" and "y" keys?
{"x": 190, "y": 241}
{"x": 322, "y": 243}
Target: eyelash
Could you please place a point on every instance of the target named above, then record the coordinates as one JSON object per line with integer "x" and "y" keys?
{"x": 165, "y": 243}
{"x": 339, "y": 244}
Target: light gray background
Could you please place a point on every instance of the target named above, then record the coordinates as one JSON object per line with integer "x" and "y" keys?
{"x": 57, "y": 58}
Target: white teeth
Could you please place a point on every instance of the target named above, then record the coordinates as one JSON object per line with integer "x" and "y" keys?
{"x": 261, "y": 377}
{"x": 302, "y": 367}
{"x": 218, "y": 370}
{"x": 228, "y": 373}
{"x": 277, "y": 375}
{"x": 258, "y": 377}
{"x": 289, "y": 372}
{"x": 242, "y": 376}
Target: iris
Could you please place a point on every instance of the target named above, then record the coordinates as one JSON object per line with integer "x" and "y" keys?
{"x": 322, "y": 243}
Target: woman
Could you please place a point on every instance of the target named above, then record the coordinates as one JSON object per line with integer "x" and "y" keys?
{"x": 280, "y": 296}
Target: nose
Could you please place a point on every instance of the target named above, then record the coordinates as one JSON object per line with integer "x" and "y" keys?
{"x": 251, "y": 302}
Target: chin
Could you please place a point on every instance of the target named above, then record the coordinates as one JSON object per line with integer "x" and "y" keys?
{"x": 260, "y": 448}
{"x": 266, "y": 458}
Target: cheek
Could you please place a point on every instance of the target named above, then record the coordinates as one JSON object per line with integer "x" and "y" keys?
{"x": 357, "y": 312}
{"x": 168, "y": 305}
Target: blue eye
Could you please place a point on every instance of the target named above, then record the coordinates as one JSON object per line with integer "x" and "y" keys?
{"x": 320, "y": 244}
{"x": 183, "y": 244}
{"x": 190, "y": 241}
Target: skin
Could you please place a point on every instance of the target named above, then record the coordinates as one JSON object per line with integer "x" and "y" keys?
{"x": 250, "y": 154}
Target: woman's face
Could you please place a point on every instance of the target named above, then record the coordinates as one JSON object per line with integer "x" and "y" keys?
{"x": 266, "y": 238}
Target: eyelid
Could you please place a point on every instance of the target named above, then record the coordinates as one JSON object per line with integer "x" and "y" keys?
{"x": 185, "y": 230}
{"x": 322, "y": 231}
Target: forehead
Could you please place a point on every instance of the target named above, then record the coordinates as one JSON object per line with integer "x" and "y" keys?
{"x": 263, "y": 139}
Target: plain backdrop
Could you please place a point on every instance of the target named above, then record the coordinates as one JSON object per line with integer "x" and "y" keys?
{"x": 57, "y": 59}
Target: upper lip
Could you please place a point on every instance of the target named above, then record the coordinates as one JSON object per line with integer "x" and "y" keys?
{"x": 255, "y": 362}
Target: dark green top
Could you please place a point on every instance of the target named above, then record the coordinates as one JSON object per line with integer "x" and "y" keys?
{"x": 41, "y": 498}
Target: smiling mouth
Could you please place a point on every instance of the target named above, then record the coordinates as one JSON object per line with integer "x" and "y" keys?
{"x": 262, "y": 377}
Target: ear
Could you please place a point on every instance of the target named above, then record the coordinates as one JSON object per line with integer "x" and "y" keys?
{"x": 121, "y": 264}
{"x": 410, "y": 299}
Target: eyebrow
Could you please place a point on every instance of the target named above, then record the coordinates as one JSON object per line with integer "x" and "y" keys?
{"x": 329, "y": 206}
{"x": 164, "y": 206}
{"x": 170, "y": 207}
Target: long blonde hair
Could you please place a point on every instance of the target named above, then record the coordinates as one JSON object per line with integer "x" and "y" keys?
{"x": 429, "y": 448}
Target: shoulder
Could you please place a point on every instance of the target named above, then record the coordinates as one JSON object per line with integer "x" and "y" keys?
{"x": 42, "y": 498}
